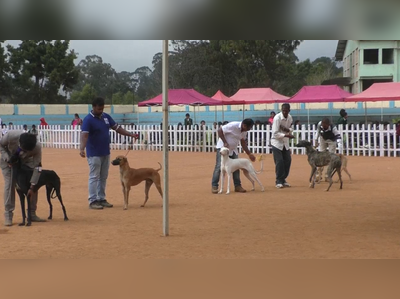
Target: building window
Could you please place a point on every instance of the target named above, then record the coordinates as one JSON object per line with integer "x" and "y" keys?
{"x": 387, "y": 56}
{"x": 371, "y": 56}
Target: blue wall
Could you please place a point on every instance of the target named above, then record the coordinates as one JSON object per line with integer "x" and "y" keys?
{"x": 155, "y": 118}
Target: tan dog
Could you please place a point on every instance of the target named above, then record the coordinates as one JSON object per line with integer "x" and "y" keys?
{"x": 132, "y": 177}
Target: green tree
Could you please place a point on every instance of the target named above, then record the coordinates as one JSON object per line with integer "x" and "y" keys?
{"x": 83, "y": 97}
{"x": 323, "y": 68}
{"x": 4, "y": 78}
{"x": 40, "y": 69}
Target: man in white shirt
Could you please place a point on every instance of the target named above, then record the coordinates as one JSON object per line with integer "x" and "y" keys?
{"x": 281, "y": 133}
{"x": 229, "y": 136}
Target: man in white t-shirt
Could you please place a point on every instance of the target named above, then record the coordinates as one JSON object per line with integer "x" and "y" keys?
{"x": 281, "y": 133}
{"x": 230, "y": 135}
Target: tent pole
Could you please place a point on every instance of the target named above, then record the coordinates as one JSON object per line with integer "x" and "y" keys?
{"x": 365, "y": 113}
{"x": 243, "y": 112}
{"x": 165, "y": 137}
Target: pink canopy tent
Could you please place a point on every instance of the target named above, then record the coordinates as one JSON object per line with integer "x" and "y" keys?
{"x": 319, "y": 94}
{"x": 182, "y": 97}
{"x": 388, "y": 91}
{"x": 219, "y": 95}
{"x": 258, "y": 96}
{"x": 385, "y": 91}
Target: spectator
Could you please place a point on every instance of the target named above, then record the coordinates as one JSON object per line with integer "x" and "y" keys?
{"x": 33, "y": 130}
{"x": 281, "y": 133}
{"x": 4, "y": 129}
{"x": 77, "y": 121}
{"x": 271, "y": 117}
{"x": 229, "y": 136}
{"x": 43, "y": 123}
{"x": 187, "y": 122}
{"x": 343, "y": 118}
{"x": 25, "y": 128}
{"x": 95, "y": 138}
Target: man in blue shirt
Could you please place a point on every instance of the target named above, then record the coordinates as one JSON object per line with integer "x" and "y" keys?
{"x": 96, "y": 139}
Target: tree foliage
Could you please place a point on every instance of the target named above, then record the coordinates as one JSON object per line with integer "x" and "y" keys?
{"x": 39, "y": 69}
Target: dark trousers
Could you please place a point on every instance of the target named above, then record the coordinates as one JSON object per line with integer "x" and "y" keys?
{"x": 283, "y": 160}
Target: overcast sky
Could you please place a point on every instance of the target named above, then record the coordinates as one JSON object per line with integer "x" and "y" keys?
{"x": 128, "y": 55}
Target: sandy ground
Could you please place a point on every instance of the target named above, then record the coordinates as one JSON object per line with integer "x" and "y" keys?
{"x": 360, "y": 221}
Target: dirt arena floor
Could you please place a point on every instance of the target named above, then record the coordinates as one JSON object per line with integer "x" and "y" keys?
{"x": 360, "y": 221}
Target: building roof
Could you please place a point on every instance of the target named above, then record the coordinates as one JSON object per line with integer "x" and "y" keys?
{"x": 341, "y": 46}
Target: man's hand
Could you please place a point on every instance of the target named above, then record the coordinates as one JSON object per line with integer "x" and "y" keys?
{"x": 226, "y": 144}
{"x": 134, "y": 135}
{"x": 82, "y": 153}
{"x": 290, "y": 136}
{"x": 252, "y": 157}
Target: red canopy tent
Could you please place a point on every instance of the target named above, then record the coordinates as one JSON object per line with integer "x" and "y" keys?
{"x": 182, "y": 97}
{"x": 258, "y": 96}
{"x": 385, "y": 91}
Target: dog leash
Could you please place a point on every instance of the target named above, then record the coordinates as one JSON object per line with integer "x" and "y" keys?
{"x": 129, "y": 148}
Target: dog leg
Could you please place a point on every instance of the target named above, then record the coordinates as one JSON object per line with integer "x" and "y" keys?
{"x": 228, "y": 185}
{"x": 22, "y": 202}
{"x": 221, "y": 189}
{"x": 28, "y": 212}
{"x": 157, "y": 183}
{"x": 126, "y": 196}
{"x": 48, "y": 192}
{"x": 345, "y": 170}
{"x": 340, "y": 178}
{"x": 312, "y": 176}
{"x": 254, "y": 175}
{"x": 149, "y": 182}
{"x": 62, "y": 205}
{"x": 246, "y": 173}
{"x": 249, "y": 177}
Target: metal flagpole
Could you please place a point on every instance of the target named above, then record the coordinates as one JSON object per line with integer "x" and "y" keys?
{"x": 165, "y": 136}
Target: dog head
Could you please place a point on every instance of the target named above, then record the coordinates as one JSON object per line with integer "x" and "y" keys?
{"x": 119, "y": 160}
{"x": 303, "y": 143}
{"x": 224, "y": 151}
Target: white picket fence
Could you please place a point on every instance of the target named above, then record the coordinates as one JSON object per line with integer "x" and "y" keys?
{"x": 359, "y": 140}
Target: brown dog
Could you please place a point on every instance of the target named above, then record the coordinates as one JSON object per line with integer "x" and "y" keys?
{"x": 132, "y": 177}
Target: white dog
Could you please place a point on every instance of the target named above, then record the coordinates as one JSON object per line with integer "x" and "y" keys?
{"x": 228, "y": 166}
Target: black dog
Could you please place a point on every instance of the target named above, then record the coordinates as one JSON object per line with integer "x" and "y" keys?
{"x": 49, "y": 178}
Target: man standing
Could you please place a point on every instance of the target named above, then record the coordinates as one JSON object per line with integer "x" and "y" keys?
{"x": 24, "y": 145}
{"x": 229, "y": 136}
{"x": 281, "y": 133}
{"x": 327, "y": 137}
{"x": 96, "y": 139}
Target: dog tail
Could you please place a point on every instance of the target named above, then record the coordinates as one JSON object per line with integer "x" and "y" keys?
{"x": 160, "y": 167}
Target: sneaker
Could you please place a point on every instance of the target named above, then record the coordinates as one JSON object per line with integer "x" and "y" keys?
{"x": 95, "y": 206}
{"x": 240, "y": 189}
{"x": 286, "y": 184}
{"x": 214, "y": 189}
{"x": 105, "y": 204}
{"x": 279, "y": 186}
{"x": 8, "y": 222}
